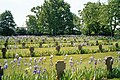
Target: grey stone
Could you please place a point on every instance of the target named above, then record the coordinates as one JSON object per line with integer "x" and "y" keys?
{"x": 60, "y": 66}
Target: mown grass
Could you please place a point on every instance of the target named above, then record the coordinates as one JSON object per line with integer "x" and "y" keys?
{"x": 76, "y": 58}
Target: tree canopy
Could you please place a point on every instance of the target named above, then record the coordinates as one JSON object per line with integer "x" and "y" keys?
{"x": 53, "y": 17}
{"x": 101, "y": 19}
{"x": 7, "y": 24}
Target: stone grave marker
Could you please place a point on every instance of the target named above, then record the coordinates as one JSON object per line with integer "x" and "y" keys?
{"x": 71, "y": 43}
{"x": 109, "y": 62}
{"x": 4, "y": 50}
{"x": 60, "y": 66}
{"x": 1, "y": 72}
{"x": 6, "y": 42}
{"x": 58, "y": 48}
{"x": 79, "y": 47}
{"x": 100, "y": 47}
{"x": 40, "y": 45}
{"x": 5, "y": 45}
{"x": 23, "y": 45}
{"x": 31, "y": 51}
{"x": 97, "y": 43}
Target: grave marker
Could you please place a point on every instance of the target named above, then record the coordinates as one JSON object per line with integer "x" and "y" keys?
{"x": 79, "y": 47}
{"x": 71, "y": 43}
{"x": 109, "y": 62}
{"x": 31, "y": 51}
{"x": 60, "y": 66}
{"x": 100, "y": 47}
{"x": 58, "y": 48}
{"x": 40, "y": 45}
{"x": 23, "y": 45}
{"x": 97, "y": 43}
{"x": 4, "y": 50}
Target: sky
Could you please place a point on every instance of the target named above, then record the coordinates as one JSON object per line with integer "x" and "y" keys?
{"x": 21, "y": 8}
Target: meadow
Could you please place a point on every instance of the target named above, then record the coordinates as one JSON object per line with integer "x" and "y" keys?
{"x": 86, "y": 62}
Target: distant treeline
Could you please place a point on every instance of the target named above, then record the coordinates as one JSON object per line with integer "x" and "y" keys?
{"x": 55, "y": 18}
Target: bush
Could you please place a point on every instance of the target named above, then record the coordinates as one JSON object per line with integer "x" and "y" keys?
{"x": 115, "y": 73}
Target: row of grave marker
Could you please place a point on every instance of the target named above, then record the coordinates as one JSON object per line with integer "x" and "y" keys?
{"x": 61, "y": 65}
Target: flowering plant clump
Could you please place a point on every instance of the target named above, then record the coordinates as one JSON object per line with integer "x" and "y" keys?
{"x": 43, "y": 68}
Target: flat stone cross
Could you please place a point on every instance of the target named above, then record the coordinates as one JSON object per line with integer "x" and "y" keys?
{"x": 60, "y": 66}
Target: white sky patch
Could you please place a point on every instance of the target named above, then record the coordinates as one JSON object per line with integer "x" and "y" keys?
{"x": 21, "y": 8}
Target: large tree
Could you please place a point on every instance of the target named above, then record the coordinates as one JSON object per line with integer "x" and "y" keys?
{"x": 114, "y": 14}
{"x": 101, "y": 18}
{"x": 7, "y": 24}
{"x": 90, "y": 18}
{"x": 54, "y": 17}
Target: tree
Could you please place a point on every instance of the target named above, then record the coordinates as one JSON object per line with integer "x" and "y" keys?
{"x": 54, "y": 17}
{"x": 32, "y": 26}
{"x": 114, "y": 14}
{"x": 90, "y": 18}
{"x": 104, "y": 20}
{"x": 7, "y": 24}
{"x": 77, "y": 24}
{"x": 21, "y": 31}
{"x": 101, "y": 19}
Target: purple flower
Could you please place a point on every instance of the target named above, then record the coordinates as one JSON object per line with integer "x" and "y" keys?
{"x": 35, "y": 60}
{"x": 91, "y": 58}
{"x": 6, "y": 66}
{"x": 71, "y": 58}
{"x": 95, "y": 62}
{"x": 18, "y": 64}
{"x": 44, "y": 58}
{"x": 16, "y": 55}
{"x": 41, "y": 58}
{"x": 25, "y": 64}
{"x": 80, "y": 62}
{"x": 5, "y": 61}
{"x": 30, "y": 59}
{"x": 51, "y": 56}
{"x": 71, "y": 63}
{"x": 89, "y": 62}
{"x": 35, "y": 71}
{"x": 119, "y": 53}
{"x": 38, "y": 71}
{"x": 35, "y": 67}
{"x": 18, "y": 61}
{"x": 15, "y": 60}
{"x": 11, "y": 62}
{"x": 20, "y": 58}
{"x": 44, "y": 70}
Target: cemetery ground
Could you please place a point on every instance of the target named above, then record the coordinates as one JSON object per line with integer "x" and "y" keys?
{"x": 34, "y": 61}
{"x": 80, "y": 61}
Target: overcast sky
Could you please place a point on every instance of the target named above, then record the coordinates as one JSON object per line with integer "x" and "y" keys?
{"x": 21, "y": 8}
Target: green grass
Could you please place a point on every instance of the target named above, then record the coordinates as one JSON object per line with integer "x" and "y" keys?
{"x": 46, "y": 64}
